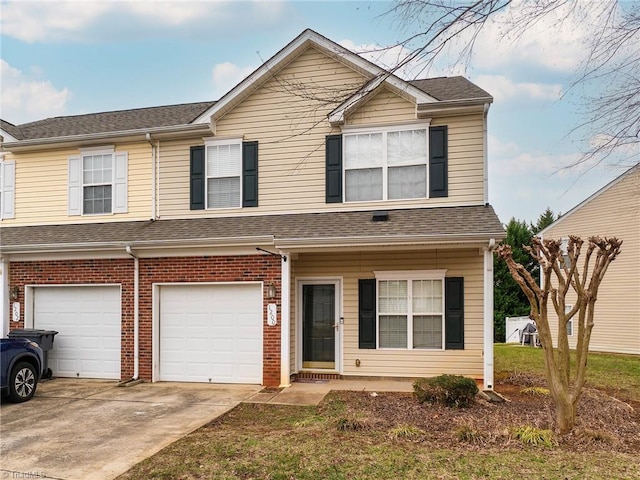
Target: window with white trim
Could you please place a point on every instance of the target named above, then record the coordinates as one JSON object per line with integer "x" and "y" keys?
{"x": 223, "y": 173}
{"x": 389, "y": 164}
{"x": 567, "y": 309}
{"x": 411, "y": 310}
{"x": 97, "y": 183}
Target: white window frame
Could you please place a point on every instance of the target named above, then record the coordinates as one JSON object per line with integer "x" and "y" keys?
{"x": 410, "y": 276}
{"x": 567, "y": 309}
{"x": 384, "y": 130}
{"x": 84, "y": 153}
{"x": 211, "y": 142}
{"x": 7, "y": 188}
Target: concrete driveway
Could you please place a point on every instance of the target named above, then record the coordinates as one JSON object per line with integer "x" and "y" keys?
{"x": 93, "y": 429}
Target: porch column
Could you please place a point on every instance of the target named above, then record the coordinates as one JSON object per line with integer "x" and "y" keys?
{"x": 285, "y": 323}
{"x": 4, "y": 295}
{"x": 488, "y": 316}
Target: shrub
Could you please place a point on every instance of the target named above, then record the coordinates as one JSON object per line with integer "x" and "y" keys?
{"x": 352, "y": 424}
{"x": 534, "y": 436}
{"x": 409, "y": 432}
{"x": 451, "y": 390}
{"x": 536, "y": 391}
{"x": 465, "y": 433}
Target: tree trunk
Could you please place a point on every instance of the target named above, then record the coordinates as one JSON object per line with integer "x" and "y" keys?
{"x": 565, "y": 413}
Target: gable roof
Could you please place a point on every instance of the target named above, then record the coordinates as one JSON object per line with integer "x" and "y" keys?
{"x": 425, "y": 92}
{"x": 611, "y": 184}
{"x": 9, "y": 129}
{"x": 438, "y": 225}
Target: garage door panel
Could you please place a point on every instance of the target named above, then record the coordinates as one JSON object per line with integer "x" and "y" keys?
{"x": 88, "y": 321}
{"x": 204, "y": 331}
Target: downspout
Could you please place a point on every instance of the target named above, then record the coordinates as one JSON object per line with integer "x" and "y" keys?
{"x": 485, "y": 155}
{"x": 488, "y": 314}
{"x": 136, "y": 314}
{"x": 153, "y": 177}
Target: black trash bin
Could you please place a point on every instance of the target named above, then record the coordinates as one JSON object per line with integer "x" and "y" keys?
{"x": 44, "y": 338}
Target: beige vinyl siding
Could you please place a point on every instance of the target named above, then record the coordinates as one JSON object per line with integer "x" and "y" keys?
{"x": 613, "y": 213}
{"x": 291, "y": 132}
{"x": 398, "y": 363}
{"x": 384, "y": 107}
{"x": 41, "y": 187}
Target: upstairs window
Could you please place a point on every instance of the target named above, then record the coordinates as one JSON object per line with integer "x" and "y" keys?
{"x": 223, "y": 173}
{"x": 97, "y": 183}
{"x": 386, "y": 165}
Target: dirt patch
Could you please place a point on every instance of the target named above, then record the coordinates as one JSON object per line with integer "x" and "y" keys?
{"x": 604, "y": 422}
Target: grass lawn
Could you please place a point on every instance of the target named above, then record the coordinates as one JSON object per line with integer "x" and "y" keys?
{"x": 292, "y": 442}
{"x": 619, "y": 374}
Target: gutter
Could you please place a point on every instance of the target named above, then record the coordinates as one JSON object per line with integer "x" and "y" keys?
{"x": 473, "y": 238}
{"x": 80, "y": 247}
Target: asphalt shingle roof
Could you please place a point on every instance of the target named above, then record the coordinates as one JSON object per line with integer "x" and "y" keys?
{"x": 435, "y": 222}
{"x": 450, "y": 88}
{"x": 139, "y": 118}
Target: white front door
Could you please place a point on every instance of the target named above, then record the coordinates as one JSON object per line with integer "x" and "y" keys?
{"x": 87, "y": 319}
{"x": 210, "y": 333}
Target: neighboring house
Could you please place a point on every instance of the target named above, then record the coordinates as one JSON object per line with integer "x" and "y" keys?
{"x": 323, "y": 218}
{"x": 613, "y": 211}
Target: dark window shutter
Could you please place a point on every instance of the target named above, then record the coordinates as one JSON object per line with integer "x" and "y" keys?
{"x": 333, "y": 154}
{"x": 197, "y": 178}
{"x": 438, "y": 163}
{"x": 367, "y": 313}
{"x": 249, "y": 174}
{"x": 454, "y": 313}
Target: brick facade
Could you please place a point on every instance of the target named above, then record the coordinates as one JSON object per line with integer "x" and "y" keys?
{"x": 249, "y": 268}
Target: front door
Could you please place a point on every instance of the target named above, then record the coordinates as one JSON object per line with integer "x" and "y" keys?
{"x": 319, "y": 325}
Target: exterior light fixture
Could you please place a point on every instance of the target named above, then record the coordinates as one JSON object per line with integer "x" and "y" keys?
{"x": 13, "y": 294}
{"x": 271, "y": 290}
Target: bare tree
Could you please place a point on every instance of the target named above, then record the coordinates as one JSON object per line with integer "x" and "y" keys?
{"x": 612, "y": 56}
{"x": 562, "y": 271}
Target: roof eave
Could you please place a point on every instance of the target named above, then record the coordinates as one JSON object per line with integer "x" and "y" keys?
{"x": 454, "y": 107}
{"x": 98, "y": 138}
{"x": 399, "y": 240}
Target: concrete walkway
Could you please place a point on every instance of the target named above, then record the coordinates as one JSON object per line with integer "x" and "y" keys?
{"x": 312, "y": 393}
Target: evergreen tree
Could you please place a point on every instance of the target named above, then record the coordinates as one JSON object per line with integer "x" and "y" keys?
{"x": 508, "y": 299}
{"x": 544, "y": 220}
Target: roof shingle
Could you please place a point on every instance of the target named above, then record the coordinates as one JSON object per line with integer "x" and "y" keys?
{"x": 441, "y": 222}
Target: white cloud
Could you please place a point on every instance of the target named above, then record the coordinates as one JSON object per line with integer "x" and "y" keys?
{"x": 503, "y": 88}
{"x": 227, "y": 75}
{"x": 26, "y": 99}
{"x": 93, "y": 21}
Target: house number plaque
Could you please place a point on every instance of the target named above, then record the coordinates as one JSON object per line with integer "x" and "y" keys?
{"x": 272, "y": 314}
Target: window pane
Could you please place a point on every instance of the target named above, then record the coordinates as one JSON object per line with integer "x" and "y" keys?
{"x": 408, "y": 147}
{"x": 427, "y": 296}
{"x": 427, "y": 331}
{"x": 223, "y": 192}
{"x": 393, "y": 331}
{"x": 224, "y": 160}
{"x": 97, "y": 199}
{"x": 362, "y": 151}
{"x": 408, "y": 182}
{"x": 365, "y": 184}
{"x": 393, "y": 296}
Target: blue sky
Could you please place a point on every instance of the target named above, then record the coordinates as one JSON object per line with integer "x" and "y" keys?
{"x": 64, "y": 58}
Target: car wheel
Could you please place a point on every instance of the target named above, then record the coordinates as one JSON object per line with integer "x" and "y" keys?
{"x": 22, "y": 382}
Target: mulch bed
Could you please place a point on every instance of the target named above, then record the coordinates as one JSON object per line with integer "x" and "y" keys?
{"x": 604, "y": 423}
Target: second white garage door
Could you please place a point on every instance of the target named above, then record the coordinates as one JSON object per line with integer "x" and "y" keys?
{"x": 88, "y": 321}
{"x": 211, "y": 333}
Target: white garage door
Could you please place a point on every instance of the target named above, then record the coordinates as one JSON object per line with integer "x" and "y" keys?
{"x": 211, "y": 333}
{"x": 88, "y": 322}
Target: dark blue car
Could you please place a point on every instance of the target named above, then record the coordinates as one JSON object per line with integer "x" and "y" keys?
{"x": 21, "y": 363}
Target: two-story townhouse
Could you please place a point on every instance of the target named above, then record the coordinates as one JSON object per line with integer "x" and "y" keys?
{"x": 322, "y": 218}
